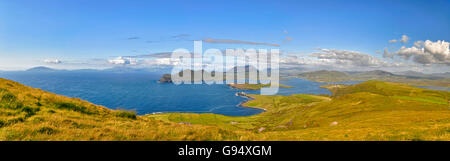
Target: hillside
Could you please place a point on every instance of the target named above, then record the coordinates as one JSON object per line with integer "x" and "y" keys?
{"x": 368, "y": 111}
{"x": 378, "y": 75}
{"x": 32, "y": 114}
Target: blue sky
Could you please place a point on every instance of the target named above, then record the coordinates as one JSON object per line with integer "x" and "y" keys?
{"x": 77, "y": 30}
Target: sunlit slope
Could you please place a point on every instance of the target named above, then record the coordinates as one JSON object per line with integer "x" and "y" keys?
{"x": 32, "y": 114}
{"x": 368, "y": 111}
{"x": 279, "y": 111}
{"x": 376, "y": 111}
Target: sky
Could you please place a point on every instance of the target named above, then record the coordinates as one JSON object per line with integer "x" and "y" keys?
{"x": 75, "y": 34}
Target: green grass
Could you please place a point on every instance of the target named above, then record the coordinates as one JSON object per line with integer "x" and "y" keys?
{"x": 32, "y": 114}
{"x": 125, "y": 114}
{"x": 429, "y": 100}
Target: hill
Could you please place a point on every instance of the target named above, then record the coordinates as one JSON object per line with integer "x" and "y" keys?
{"x": 374, "y": 73}
{"x": 378, "y": 75}
{"x": 325, "y": 76}
{"x": 32, "y": 114}
{"x": 41, "y": 69}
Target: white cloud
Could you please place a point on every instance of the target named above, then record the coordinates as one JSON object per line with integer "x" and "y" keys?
{"x": 386, "y": 53}
{"x": 345, "y": 57}
{"x": 418, "y": 43}
{"x": 427, "y": 52}
{"x": 52, "y": 61}
{"x": 403, "y": 39}
{"x": 122, "y": 60}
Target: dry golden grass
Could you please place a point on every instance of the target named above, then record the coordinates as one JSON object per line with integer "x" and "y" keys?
{"x": 62, "y": 118}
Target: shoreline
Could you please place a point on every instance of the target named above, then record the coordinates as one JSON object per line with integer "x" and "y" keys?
{"x": 241, "y": 104}
{"x": 250, "y": 98}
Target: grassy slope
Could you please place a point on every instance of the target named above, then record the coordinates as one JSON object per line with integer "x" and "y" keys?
{"x": 368, "y": 111}
{"x": 32, "y": 114}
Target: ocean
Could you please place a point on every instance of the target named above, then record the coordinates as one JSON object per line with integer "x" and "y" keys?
{"x": 141, "y": 91}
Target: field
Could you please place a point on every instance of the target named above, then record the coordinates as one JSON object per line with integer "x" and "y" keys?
{"x": 371, "y": 110}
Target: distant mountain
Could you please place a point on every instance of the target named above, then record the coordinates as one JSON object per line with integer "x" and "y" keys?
{"x": 114, "y": 70}
{"x": 325, "y": 72}
{"x": 291, "y": 71}
{"x": 123, "y": 69}
{"x": 375, "y": 73}
{"x": 42, "y": 69}
{"x": 379, "y": 75}
{"x": 414, "y": 74}
{"x": 325, "y": 76}
{"x": 410, "y": 73}
{"x": 443, "y": 75}
{"x": 85, "y": 70}
{"x": 135, "y": 70}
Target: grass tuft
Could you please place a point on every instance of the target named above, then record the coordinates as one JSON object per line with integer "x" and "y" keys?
{"x": 46, "y": 130}
{"x": 125, "y": 114}
{"x": 73, "y": 107}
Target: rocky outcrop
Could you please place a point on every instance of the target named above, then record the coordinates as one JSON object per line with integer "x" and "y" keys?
{"x": 166, "y": 78}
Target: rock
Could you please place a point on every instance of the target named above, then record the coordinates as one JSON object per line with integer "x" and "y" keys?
{"x": 185, "y": 123}
{"x": 166, "y": 78}
{"x": 234, "y": 122}
{"x": 334, "y": 123}
{"x": 261, "y": 129}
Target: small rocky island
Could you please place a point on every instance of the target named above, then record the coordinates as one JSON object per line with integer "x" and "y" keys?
{"x": 166, "y": 78}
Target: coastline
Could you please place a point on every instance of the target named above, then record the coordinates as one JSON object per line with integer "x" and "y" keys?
{"x": 241, "y": 104}
{"x": 250, "y": 98}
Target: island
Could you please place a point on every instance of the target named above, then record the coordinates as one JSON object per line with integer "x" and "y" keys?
{"x": 166, "y": 78}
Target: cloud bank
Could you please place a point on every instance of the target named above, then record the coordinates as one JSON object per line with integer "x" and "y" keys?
{"x": 122, "y": 61}
{"x": 345, "y": 57}
{"x": 427, "y": 52}
{"x": 52, "y": 61}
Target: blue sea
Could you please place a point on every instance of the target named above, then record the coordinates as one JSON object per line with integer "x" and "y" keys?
{"x": 141, "y": 91}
